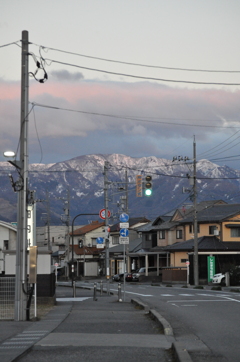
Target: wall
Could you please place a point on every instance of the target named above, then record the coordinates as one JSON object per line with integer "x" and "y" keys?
{"x": 91, "y": 269}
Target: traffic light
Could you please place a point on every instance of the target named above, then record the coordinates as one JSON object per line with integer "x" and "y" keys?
{"x": 148, "y": 185}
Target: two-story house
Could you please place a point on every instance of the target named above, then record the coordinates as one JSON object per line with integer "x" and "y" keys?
{"x": 218, "y": 235}
{"x": 84, "y": 250}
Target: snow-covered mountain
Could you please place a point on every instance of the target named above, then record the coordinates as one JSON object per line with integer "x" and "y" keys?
{"x": 83, "y": 178}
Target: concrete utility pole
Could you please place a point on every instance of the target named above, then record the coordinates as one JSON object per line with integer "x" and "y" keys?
{"x": 195, "y": 259}
{"x": 106, "y": 166}
{"x": 21, "y": 247}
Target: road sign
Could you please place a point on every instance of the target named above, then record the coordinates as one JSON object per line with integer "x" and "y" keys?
{"x": 124, "y": 232}
{"x": 187, "y": 262}
{"x": 102, "y": 214}
{"x": 56, "y": 264}
{"x": 124, "y": 225}
{"x": 123, "y": 240}
{"x": 100, "y": 240}
{"x": 124, "y": 217}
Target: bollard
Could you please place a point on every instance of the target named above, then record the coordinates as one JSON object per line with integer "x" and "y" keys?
{"x": 101, "y": 287}
{"x": 95, "y": 292}
{"x": 74, "y": 289}
{"x": 119, "y": 292}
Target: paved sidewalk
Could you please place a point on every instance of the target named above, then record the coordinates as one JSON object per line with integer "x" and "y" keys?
{"x": 84, "y": 329}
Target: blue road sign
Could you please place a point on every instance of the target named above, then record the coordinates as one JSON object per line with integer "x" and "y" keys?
{"x": 99, "y": 240}
{"x": 124, "y": 217}
{"x": 124, "y": 232}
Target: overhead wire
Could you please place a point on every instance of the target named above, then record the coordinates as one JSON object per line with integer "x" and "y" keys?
{"x": 139, "y": 76}
{"x": 45, "y": 48}
{"x": 134, "y": 118}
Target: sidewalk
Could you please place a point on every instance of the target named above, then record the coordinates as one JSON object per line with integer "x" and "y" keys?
{"x": 98, "y": 329}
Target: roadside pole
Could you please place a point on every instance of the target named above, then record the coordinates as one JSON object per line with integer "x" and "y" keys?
{"x": 107, "y": 272}
{"x": 21, "y": 248}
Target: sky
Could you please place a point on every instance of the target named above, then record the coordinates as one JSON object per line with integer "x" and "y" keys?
{"x": 136, "y": 77}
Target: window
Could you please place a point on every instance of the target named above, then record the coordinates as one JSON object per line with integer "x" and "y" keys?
{"x": 191, "y": 228}
{"x": 235, "y": 232}
{"x": 184, "y": 260}
{"x": 179, "y": 234}
{"x": 212, "y": 228}
{"x": 94, "y": 241}
{"x": 5, "y": 244}
{"x": 115, "y": 239}
{"x": 162, "y": 234}
{"x": 148, "y": 237}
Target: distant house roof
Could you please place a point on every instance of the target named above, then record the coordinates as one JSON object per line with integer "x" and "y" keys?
{"x": 215, "y": 213}
{"x": 205, "y": 243}
{"x": 87, "y": 228}
{"x": 86, "y": 250}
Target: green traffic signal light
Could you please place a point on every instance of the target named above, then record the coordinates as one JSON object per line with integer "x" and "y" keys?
{"x": 148, "y": 192}
{"x": 148, "y": 186}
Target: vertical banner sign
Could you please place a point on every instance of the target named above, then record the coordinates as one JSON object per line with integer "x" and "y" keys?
{"x": 139, "y": 185}
{"x": 211, "y": 267}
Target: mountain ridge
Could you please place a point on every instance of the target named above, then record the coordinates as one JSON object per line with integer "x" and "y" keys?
{"x": 83, "y": 177}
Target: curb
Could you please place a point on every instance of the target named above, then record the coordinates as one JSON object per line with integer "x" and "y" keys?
{"x": 181, "y": 353}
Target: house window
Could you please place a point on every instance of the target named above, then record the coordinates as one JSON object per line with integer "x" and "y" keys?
{"x": 191, "y": 228}
{"x": 115, "y": 239}
{"x": 235, "y": 232}
{"x": 212, "y": 228}
{"x": 179, "y": 234}
{"x": 148, "y": 237}
{"x": 5, "y": 244}
{"x": 94, "y": 241}
{"x": 162, "y": 234}
{"x": 184, "y": 260}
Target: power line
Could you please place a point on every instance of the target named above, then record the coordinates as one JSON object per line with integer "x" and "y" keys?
{"x": 15, "y": 43}
{"x": 138, "y": 64}
{"x": 135, "y": 118}
{"x": 139, "y": 76}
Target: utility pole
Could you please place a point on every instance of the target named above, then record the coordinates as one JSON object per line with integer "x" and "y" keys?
{"x": 107, "y": 272}
{"x": 193, "y": 182}
{"x": 21, "y": 247}
{"x": 195, "y": 259}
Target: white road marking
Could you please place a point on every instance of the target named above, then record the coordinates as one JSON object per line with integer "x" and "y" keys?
{"x": 78, "y": 299}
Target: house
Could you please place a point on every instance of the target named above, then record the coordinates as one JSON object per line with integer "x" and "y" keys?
{"x": 117, "y": 251}
{"x": 8, "y": 236}
{"x": 84, "y": 250}
{"x": 218, "y": 235}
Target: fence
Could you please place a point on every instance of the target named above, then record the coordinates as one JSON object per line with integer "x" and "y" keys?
{"x": 7, "y": 293}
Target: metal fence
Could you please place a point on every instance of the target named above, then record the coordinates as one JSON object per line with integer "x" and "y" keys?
{"x": 7, "y": 293}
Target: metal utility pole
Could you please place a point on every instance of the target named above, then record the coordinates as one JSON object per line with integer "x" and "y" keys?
{"x": 195, "y": 259}
{"x": 106, "y": 166}
{"x": 21, "y": 247}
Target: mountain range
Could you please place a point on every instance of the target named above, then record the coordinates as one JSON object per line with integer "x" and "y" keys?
{"x": 79, "y": 183}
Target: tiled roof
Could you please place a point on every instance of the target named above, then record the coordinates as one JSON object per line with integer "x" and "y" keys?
{"x": 205, "y": 243}
{"x": 87, "y": 228}
{"x": 86, "y": 250}
{"x": 215, "y": 213}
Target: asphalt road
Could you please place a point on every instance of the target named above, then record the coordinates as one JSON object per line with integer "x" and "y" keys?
{"x": 204, "y": 318}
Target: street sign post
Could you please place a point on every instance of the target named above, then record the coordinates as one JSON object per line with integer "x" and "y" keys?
{"x": 100, "y": 241}
{"x": 124, "y": 240}
{"x": 124, "y": 232}
{"x": 124, "y": 217}
{"x": 102, "y": 214}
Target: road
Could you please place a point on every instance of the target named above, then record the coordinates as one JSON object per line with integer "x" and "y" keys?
{"x": 207, "y": 319}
